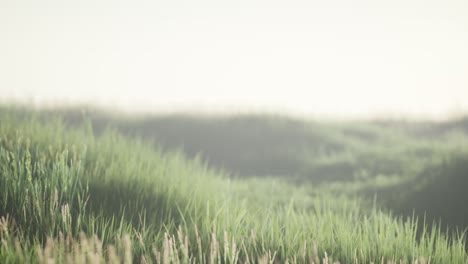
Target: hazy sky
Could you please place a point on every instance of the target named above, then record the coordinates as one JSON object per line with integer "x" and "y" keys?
{"x": 338, "y": 57}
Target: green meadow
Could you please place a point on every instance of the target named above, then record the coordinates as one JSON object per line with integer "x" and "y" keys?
{"x": 95, "y": 187}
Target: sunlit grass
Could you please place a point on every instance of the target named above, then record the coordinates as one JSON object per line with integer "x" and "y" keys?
{"x": 72, "y": 196}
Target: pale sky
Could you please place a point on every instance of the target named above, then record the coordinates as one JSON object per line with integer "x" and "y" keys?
{"x": 356, "y": 58}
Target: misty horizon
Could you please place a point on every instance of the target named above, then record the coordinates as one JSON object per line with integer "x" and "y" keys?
{"x": 335, "y": 59}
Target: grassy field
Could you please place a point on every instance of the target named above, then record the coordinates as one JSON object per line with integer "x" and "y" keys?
{"x": 92, "y": 188}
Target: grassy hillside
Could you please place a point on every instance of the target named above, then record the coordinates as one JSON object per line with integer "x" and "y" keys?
{"x": 265, "y": 145}
{"x": 439, "y": 193}
{"x": 82, "y": 192}
{"x": 390, "y": 161}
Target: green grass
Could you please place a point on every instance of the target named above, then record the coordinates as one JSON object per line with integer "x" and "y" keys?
{"x": 75, "y": 196}
{"x": 392, "y": 162}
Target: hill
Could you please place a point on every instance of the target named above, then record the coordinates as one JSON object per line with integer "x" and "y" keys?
{"x": 82, "y": 191}
{"x": 390, "y": 161}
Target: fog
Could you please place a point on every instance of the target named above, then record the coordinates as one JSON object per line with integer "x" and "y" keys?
{"x": 310, "y": 58}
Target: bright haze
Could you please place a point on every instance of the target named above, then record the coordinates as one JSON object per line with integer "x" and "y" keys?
{"x": 337, "y": 58}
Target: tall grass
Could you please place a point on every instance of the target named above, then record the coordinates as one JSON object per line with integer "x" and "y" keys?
{"x": 72, "y": 196}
